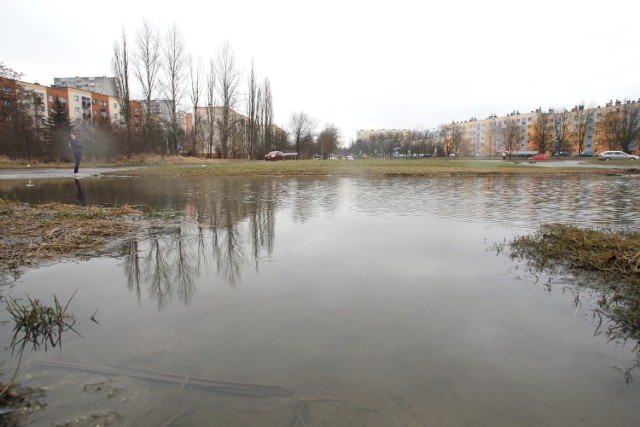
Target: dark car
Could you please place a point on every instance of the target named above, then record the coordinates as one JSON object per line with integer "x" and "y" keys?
{"x": 561, "y": 153}
{"x": 274, "y": 155}
{"x": 586, "y": 154}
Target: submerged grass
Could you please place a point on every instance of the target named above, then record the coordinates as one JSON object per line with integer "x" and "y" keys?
{"x": 613, "y": 255}
{"x": 35, "y": 233}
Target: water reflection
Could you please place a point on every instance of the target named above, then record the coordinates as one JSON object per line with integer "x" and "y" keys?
{"x": 365, "y": 296}
{"x": 79, "y": 193}
{"x": 168, "y": 260}
{"x": 520, "y": 201}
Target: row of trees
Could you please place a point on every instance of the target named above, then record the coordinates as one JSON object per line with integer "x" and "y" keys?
{"x": 236, "y": 122}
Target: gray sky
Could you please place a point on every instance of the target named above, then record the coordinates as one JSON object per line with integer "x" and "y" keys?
{"x": 361, "y": 64}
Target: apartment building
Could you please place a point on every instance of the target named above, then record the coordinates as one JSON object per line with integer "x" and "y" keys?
{"x": 486, "y": 137}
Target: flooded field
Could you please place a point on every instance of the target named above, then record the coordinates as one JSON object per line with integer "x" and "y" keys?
{"x": 271, "y": 301}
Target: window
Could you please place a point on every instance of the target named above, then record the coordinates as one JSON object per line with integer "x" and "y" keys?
{"x": 50, "y": 98}
{"x": 77, "y": 109}
{"x": 93, "y": 101}
{"x": 75, "y": 98}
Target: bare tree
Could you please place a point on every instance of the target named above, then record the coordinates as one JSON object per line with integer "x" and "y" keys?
{"x": 210, "y": 117}
{"x": 329, "y": 139}
{"x": 492, "y": 135}
{"x": 453, "y": 139}
{"x": 252, "y": 113}
{"x": 196, "y": 93}
{"x": 301, "y": 129}
{"x": 175, "y": 61}
{"x": 563, "y": 121}
{"x": 21, "y": 125}
{"x": 621, "y": 126}
{"x": 121, "y": 72}
{"x": 581, "y": 123}
{"x": 227, "y": 86}
{"x": 147, "y": 60}
{"x": 510, "y": 134}
{"x": 266, "y": 116}
{"x": 543, "y": 131}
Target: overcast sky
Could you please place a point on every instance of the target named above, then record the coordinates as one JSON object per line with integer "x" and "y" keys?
{"x": 361, "y": 64}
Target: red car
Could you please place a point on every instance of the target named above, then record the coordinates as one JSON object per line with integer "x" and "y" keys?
{"x": 274, "y": 155}
{"x": 539, "y": 157}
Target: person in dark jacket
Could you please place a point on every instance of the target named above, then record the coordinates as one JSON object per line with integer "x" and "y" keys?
{"x": 76, "y": 149}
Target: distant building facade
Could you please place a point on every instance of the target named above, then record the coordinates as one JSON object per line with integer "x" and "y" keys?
{"x": 102, "y": 85}
{"x": 370, "y": 134}
{"x": 486, "y": 137}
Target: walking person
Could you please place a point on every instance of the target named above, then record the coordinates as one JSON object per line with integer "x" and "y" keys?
{"x": 76, "y": 149}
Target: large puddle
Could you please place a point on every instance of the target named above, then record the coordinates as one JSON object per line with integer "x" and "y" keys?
{"x": 331, "y": 301}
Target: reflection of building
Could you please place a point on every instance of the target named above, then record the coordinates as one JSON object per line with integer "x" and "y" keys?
{"x": 102, "y": 85}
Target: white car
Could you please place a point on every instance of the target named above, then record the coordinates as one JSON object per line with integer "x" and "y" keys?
{"x": 616, "y": 155}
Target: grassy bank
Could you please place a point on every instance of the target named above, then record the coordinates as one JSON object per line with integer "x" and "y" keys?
{"x": 371, "y": 167}
{"x": 177, "y": 165}
{"x": 32, "y": 234}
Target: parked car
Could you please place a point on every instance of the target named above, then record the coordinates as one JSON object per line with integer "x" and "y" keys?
{"x": 317, "y": 157}
{"x": 539, "y": 157}
{"x": 561, "y": 153}
{"x": 274, "y": 155}
{"x": 586, "y": 154}
{"x": 616, "y": 155}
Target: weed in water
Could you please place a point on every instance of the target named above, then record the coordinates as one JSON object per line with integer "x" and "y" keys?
{"x": 37, "y": 325}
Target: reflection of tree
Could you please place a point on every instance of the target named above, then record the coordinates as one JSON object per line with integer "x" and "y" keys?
{"x": 235, "y": 225}
{"x": 168, "y": 268}
{"x": 231, "y": 258}
{"x": 132, "y": 266}
{"x": 157, "y": 270}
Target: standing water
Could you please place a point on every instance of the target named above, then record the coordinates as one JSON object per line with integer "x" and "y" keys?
{"x": 331, "y": 301}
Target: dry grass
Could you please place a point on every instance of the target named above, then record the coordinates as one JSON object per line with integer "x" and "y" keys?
{"x": 32, "y": 234}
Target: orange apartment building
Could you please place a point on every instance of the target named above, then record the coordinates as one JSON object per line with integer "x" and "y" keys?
{"x": 82, "y": 107}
